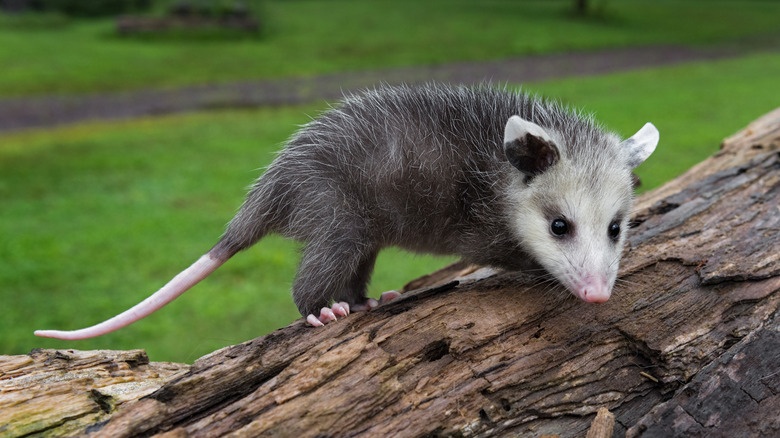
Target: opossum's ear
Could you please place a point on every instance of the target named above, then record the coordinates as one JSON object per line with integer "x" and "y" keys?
{"x": 528, "y": 147}
{"x": 640, "y": 145}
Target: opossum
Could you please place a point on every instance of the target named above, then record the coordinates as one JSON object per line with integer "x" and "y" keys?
{"x": 500, "y": 178}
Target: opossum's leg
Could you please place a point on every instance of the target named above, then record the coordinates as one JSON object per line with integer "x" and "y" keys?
{"x": 354, "y": 291}
{"x": 334, "y": 268}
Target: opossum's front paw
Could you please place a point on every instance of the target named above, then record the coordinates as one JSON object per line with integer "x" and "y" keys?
{"x": 328, "y": 314}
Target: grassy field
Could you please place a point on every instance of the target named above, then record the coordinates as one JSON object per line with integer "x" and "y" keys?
{"x": 95, "y": 217}
{"x": 310, "y": 36}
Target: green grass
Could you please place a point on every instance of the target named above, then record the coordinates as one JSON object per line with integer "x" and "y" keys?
{"x": 95, "y": 217}
{"x": 312, "y": 36}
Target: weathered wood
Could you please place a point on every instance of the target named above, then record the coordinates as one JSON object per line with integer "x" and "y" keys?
{"x": 688, "y": 345}
{"x": 59, "y": 392}
{"x": 603, "y": 425}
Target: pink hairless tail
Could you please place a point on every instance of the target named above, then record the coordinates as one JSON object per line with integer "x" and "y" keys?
{"x": 177, "y": 286}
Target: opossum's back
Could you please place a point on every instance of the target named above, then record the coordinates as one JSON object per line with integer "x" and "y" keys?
{"x": 397, "y": 134}
{"x": 397, "y": 155}
{"x": 419, "y": 120}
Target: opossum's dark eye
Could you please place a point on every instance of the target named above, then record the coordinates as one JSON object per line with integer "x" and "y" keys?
{"x": 614, "y": 230}
{"x": 559, "y": 227}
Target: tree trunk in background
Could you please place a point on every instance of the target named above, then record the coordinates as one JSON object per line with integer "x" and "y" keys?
{"x": 689, "y": 344}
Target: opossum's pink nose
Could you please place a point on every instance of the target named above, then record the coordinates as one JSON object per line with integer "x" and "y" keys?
{"x": 595, "y": 295}
{"x": 594, "y": 290}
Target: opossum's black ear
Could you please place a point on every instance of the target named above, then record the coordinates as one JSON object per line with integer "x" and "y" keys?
{"x": 640, "y": 145}
{"x": 528, "y": 147}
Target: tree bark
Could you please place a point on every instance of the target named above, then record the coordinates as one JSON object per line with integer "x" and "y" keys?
{"x": 689, "y": 344}
{"x": 63, "y": 392}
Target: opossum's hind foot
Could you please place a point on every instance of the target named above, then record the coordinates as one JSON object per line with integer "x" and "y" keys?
{"x": 371, "y": 303}
{"x": 389, "y": 296}
{"x": 328, "y": 314}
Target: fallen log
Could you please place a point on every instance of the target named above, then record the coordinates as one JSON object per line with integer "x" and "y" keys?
{"x": 63, "y": 392}
{"x": 689, "y": 344}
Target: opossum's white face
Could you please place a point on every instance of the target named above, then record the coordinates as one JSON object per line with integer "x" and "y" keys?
{"x": 575, "y": 229}
{"x": 572, "y": 215}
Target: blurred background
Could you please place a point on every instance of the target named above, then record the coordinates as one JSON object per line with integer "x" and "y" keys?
{"x": 130, "y": 129}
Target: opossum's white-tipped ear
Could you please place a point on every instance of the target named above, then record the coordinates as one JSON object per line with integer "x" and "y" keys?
{"x": 528, "y": 147}
{"x": 517, "y": 128}
{"x": 640, "y": 145}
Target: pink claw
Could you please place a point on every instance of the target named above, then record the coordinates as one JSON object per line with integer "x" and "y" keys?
{"x": 341, "y": 309}
{"x": 389, "y": 296}
{"x": 368, "y": 305}
{"x": 313, "y": 321}
{"x": 328, "y": 314}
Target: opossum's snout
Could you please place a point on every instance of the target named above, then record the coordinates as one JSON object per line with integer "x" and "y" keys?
{"x": 593, "y": 289}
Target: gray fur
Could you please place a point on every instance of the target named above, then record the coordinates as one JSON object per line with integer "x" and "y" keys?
{"x": 423, "y": 169}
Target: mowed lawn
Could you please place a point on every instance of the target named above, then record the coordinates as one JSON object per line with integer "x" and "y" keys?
{"x": 95, "y": 217}
{"x": 304, "y": 37}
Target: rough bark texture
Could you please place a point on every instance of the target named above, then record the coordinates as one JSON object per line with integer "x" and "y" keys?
{"x": 57, "y": 393}
{"x": 689, "y": 344}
